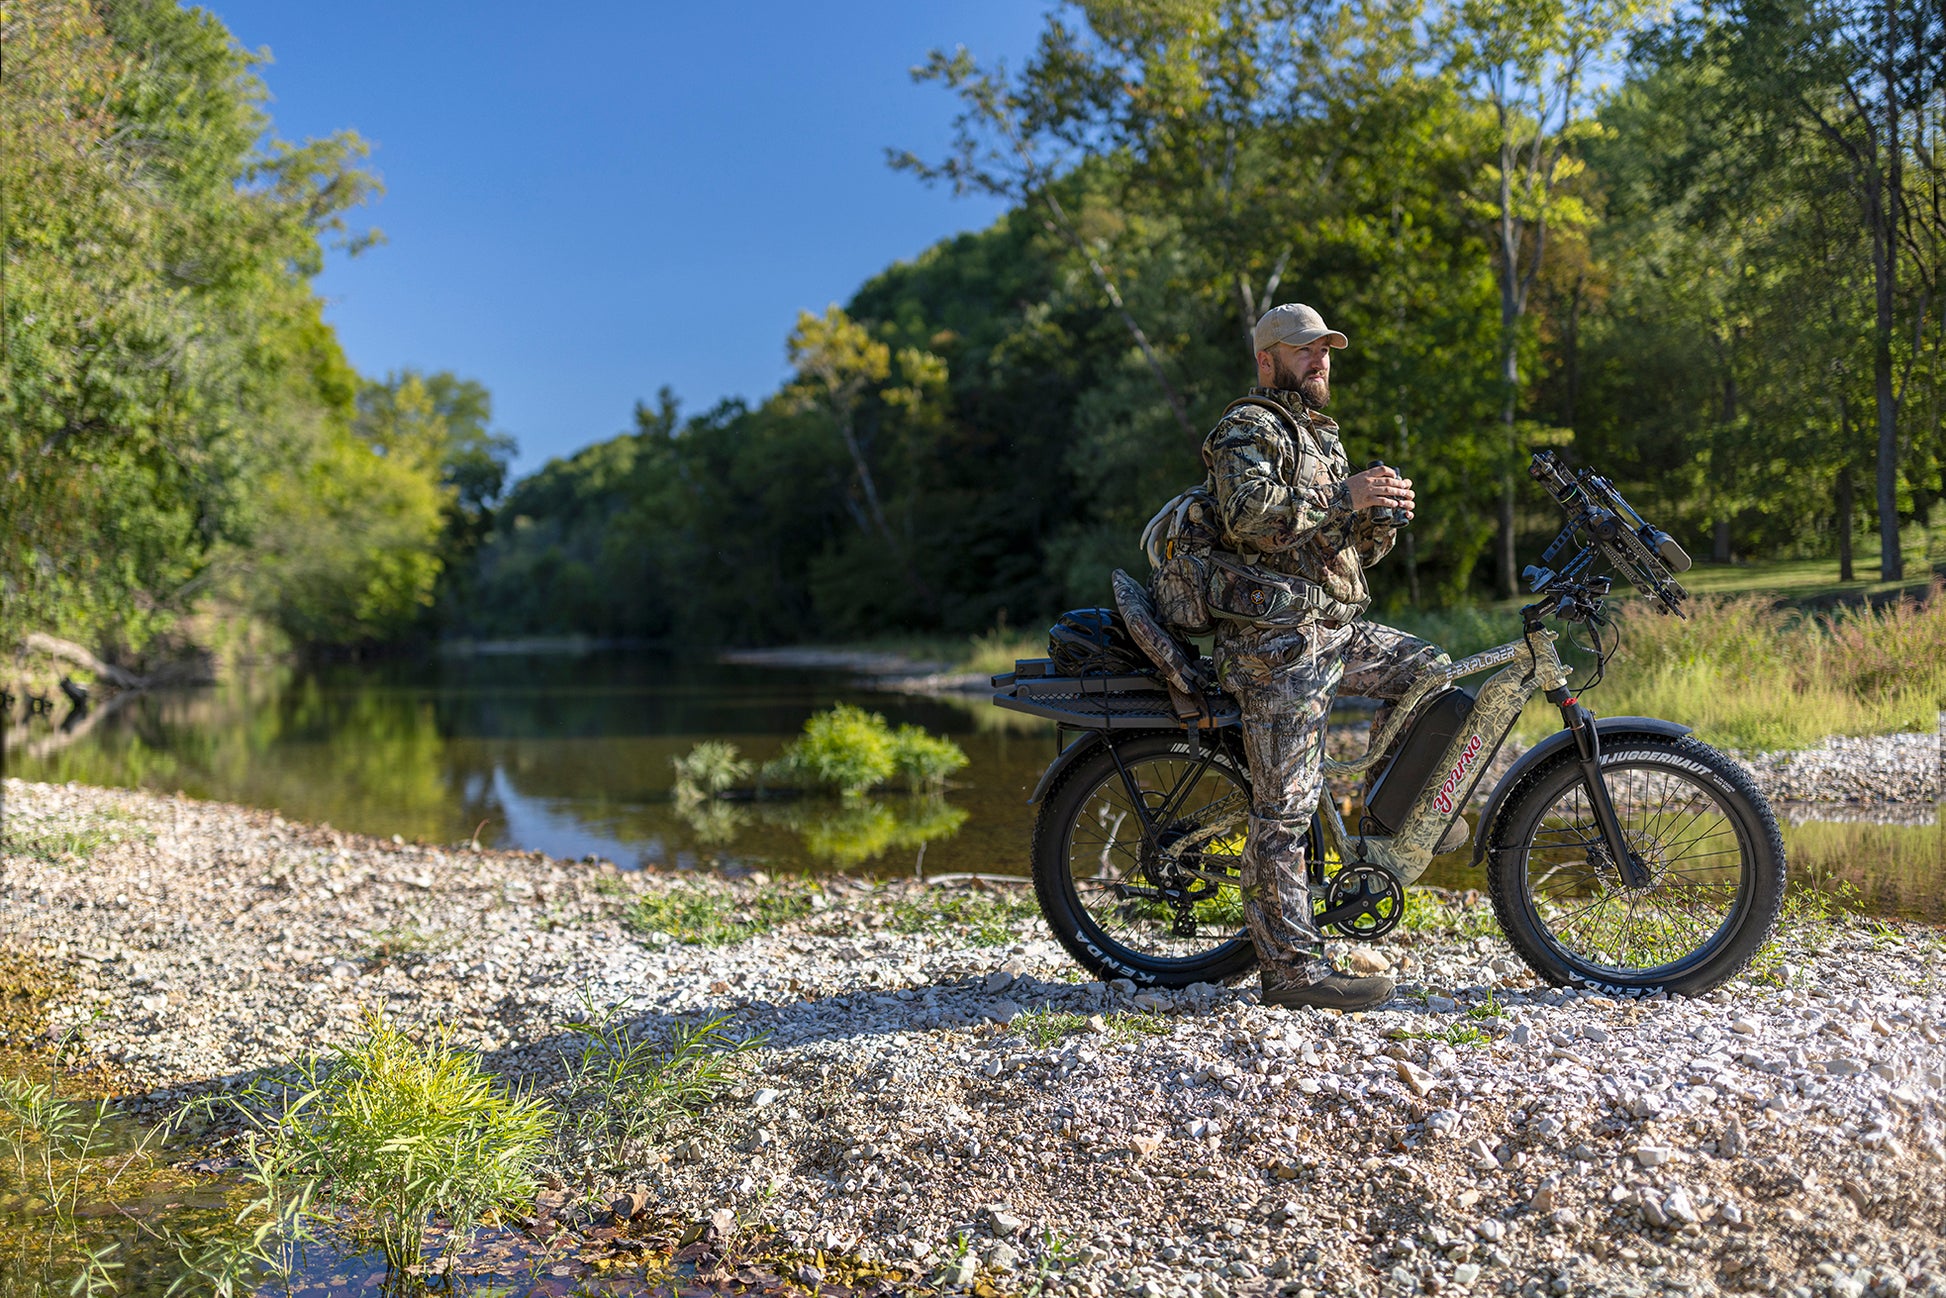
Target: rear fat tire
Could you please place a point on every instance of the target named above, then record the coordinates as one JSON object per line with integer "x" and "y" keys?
{"x": 1086, "y": 939}
{"x": 1748, "y": 918}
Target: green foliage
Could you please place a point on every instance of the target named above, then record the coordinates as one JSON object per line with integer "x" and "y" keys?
{"x": 396, "y": 1133}
{"x": 1725, "y": 668}
{"x": 1044, "y": 1026}
{"x": 68, "y": 839}
{"x": 924, "y": 761}
{"x": 848, "y": 751}
{"x": 623, "y": 1088}
{"x": 979, "y": 916}
{"x": 1427, "y": 911}
{"x": 179, "y": 425}
{"x": 709, "y": 770}
{"x": 58, "y": 1158}
{"x": 716, "y": 917}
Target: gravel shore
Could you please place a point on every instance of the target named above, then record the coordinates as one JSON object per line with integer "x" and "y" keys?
{"x": 951, "y": 1115}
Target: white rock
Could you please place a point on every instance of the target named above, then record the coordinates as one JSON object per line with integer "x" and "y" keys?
{"x": 1651, "y": 1156}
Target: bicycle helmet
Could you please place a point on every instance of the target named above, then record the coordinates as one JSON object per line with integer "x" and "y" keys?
{"x": 1093, "y": 642}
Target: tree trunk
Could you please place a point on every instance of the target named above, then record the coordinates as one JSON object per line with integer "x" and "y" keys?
{"x": 1507, "y": 578}
{"x": 1574, "y": 351}
{"x": 1510, "y": 311}
{"x": 1411, "y": 569}
{"x": 1720, "y": 534}
{"x": 1844, "y": 523}
{"x": 1883, "y": 211}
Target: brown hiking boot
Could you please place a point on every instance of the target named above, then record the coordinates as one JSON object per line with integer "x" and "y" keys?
{"x": 1326, "y": 989}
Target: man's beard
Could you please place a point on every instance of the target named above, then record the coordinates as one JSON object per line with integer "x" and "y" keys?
{"x": 1315, "y": 391}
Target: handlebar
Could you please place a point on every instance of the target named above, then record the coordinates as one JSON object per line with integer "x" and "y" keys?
{"x": 1643, "y": 554}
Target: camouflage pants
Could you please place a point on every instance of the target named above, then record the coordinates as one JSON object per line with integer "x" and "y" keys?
{"x": 1285, "y": 679}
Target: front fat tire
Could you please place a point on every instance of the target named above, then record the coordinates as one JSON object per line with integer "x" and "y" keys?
{"x": 1556, "y": 950}
{"x": 1086, "y": 940}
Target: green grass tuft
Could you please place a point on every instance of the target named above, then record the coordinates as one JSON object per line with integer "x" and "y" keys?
{"x": 981, "y": 918}
{"x": 1047, "y": 1025}
{"x": 712, "y": 917}
{"x": 387, "y": 1135}
{"x": 71, "y": 840}
{"x": 623, "y": 1089}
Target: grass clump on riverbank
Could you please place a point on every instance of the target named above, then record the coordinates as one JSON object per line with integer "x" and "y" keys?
{"x": 1744, "y": 671}
{"x": 71, "y": 839}
{"x": 380, "y": 1140}
{"x": 1751, "y": 675}
{"x": 708, "y": 917}
{"x": 624, "y": 1088}
{"x": 982, "y": 918}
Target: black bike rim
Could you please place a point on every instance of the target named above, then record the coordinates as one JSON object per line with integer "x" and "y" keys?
{"x": 1629, "y": 916}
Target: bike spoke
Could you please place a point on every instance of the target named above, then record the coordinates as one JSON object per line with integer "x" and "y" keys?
{"x": 1680, "y": 831}
{"x": 1133, "y": 885}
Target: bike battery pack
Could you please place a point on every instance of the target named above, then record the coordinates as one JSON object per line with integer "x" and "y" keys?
{"x": 1425, "y": 741}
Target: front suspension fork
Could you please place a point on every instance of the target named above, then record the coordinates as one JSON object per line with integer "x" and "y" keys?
{"x": 1587, "y": 745}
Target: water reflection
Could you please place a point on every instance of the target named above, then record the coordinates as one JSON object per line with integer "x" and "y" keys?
{"x": 558, "y": 753}
{"x": 570, "y": 755}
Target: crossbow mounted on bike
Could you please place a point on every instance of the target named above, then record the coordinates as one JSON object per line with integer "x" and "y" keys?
{"x": 1620, "y": 852}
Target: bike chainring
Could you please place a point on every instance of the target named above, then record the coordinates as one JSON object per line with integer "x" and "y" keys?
{"x": 1378, "y": 900}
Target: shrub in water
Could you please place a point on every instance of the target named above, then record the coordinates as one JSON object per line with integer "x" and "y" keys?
{"x": 924, "y": 761}
{"x": 846, "y": 749}
{"x": 850, "y": 750}
{"x": 405, "y": 1132}
{"x": 710, "y": 769}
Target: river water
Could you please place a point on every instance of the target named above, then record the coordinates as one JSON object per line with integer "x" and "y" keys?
{"x": 569, "y": 754}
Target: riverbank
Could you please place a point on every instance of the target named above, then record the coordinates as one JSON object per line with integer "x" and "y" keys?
{"x": 881, "y": 669}
{"x": 938, "y": 1103}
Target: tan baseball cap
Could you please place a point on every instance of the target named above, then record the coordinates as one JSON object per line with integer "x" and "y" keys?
{"x": 1296, "y": 324}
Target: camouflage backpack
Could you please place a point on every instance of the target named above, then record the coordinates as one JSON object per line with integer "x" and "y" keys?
{"x": 1178, "y": 541}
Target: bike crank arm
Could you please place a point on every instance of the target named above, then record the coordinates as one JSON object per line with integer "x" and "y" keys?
{"x": 1587, "y": 743}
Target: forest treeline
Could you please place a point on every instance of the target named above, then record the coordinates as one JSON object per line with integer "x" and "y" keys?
{"x": 184, "y": 448}
{"x": 1702, "y": 253}
{"x": 1700, "y": 250}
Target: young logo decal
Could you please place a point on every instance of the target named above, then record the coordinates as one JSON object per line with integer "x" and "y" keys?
{"x": 1443, "y": 801}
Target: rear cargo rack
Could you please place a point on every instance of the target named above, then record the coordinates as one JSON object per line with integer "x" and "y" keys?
{"x": 1134, "y": 701}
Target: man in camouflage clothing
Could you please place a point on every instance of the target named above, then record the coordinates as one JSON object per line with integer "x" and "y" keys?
{"x": 1302, "y": 525}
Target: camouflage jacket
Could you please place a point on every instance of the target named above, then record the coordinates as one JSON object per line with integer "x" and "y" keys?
{"x": 1286, "y": 504}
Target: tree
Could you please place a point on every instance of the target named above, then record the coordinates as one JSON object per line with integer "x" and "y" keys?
{"x": 1863, "y": 79}
{"x": 1530, "y": 61}
{"x": 1016, "y": 142}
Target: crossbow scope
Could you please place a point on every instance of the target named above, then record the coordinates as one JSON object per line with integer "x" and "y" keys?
{"x": 1600, "y": 521}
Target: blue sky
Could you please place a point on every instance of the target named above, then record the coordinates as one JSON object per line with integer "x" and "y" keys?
{"x": 586, "y": 203}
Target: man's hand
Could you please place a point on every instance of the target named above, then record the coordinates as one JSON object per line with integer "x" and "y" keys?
{"x": 1381, "y": 488}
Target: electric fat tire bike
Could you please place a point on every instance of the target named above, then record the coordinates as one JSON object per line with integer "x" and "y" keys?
{"x": 1621, "y": 853}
